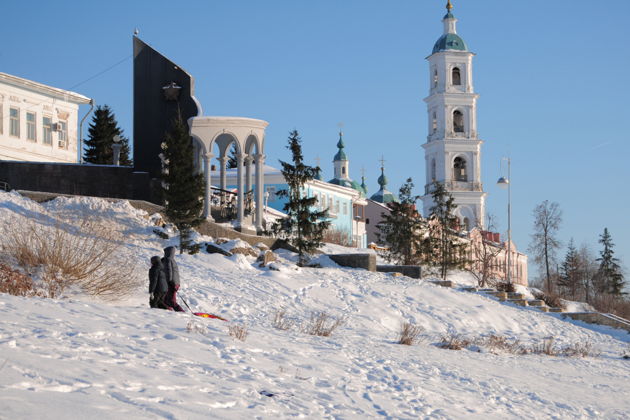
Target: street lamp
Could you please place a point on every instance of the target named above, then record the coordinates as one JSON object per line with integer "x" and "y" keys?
{"x": 506, "y": 183}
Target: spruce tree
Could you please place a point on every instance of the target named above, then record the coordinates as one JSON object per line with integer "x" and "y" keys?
{"x": 609, "y": 278}
{"x": 571, "y": 271}
{"x": 448, "y": 250}
{"x": 303, "y": 227}
{"x": 232, "y": 162}
{"x": 98, "y": 146}
{"x": 182, "y": 188}
{"x": 403, "y": 228}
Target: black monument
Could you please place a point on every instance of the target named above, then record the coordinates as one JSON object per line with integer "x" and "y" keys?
{"x": 160, "y": 87}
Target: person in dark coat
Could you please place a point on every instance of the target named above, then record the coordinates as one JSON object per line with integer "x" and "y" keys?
{"x": 171, "y": 273}
{"x": 157, "y": 284}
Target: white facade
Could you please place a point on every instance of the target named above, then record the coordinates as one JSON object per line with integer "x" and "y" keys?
{"x": 453, "y": 148}
{"x": 38, "y": 123}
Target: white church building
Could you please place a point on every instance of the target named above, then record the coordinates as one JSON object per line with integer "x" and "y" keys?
{"x": 453, "y": 148}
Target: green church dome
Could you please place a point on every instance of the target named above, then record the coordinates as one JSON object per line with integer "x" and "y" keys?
{"x": 449, "y": 42}
{"x": 341, "y": 154}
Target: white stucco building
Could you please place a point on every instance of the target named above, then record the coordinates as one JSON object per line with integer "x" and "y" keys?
{"x": 453, "y": 148}
{"x": 38, "y": 123}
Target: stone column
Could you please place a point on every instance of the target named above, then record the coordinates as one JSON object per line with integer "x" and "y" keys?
{"x": 207, "y": 198}
{"x": 239, "y": 178}
{"x": 248, "y": 173}
{"x": 223, "y": 161}
{"x": 260, "y": 188}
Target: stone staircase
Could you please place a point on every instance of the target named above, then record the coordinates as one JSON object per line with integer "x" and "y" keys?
{"x": 599, "y": 318}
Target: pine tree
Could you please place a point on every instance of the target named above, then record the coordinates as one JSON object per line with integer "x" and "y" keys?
{"x": 447, "y": 248}
{"x": 98, "y": 146}
{"x": 303, "y": 227}
{"x": 571, "y": 271}
{"x": 232, "y": 162}
{"x": 403, "y": 229}
{"x": 182, "y": 188}
{"x": 609, "y": 278}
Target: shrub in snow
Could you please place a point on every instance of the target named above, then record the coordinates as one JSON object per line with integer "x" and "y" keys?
{"x": 15, "y": 282}
{"x": 238, "y": 331}
{"x": 87, "y": 255}
{"x": 408, "y": 333}
{"x": 454, "y": 342}
{"x": 280, "y": 320}
{"x": 553, "y": 300}
{"x": 322, "y": 324}
{"x": 506, "y": 287}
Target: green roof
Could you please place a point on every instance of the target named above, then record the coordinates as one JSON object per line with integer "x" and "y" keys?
{"x": 449, "y": 42}
{"x": 341, "y": 155}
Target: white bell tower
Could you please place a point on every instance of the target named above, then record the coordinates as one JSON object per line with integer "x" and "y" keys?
{"x": 453, "y": 150}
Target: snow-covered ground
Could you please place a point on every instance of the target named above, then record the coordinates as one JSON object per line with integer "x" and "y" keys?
{"x": 81, "y": 358}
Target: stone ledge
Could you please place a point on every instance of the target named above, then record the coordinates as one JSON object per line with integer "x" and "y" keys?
{"x": 365, "y": 261}
{"x": 443, "y": 283}
{"x": 412, "y": 271}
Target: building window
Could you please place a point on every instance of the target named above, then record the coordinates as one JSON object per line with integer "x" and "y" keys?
{"x": 435, "y": 78}
{"x": 324, "y": 201}
{"x": 467, "y": 224}
{"x": 63, "y": 134}
{"x": 31, "y": 126}
{"x": 434, "y": 123}
{"x": 47, "y": 124}
{"x": 458, "y": 122}
{"x": 343, "y": 170}
{"x": 459, "y": 170}
{"x": 433, "y": 170}
{"x": 14, "y": 117}
{"x": 336, "y": 206}
{"x": 345, "y": 208}
{"x": 457, "y": 78}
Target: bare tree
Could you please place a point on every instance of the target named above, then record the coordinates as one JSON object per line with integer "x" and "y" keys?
{"x": 483, "y": 254}
{"x": 588, "y": 269}
{"x": 545, "y": 243}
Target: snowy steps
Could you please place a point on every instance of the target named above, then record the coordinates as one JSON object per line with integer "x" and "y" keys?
{"x": 515, "y": 298}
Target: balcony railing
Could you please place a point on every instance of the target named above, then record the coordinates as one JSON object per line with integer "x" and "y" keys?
{"x": 456, "y": 186}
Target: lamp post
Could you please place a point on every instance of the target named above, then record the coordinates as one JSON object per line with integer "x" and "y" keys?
{"x": 506, "y": 183}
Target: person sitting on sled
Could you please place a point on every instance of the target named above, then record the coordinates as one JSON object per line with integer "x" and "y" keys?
{"x": 172, "y": 278}
{"x": 157, "y": 284}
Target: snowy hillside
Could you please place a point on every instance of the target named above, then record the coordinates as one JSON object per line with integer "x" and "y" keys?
{"x": 79, "y": 357}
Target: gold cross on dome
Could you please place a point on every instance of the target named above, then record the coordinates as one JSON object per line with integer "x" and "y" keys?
{"x": 449, "y": 6}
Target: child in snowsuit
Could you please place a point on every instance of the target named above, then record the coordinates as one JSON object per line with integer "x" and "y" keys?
{"x": 157, "y": 284}
{"x": 172, "y": 278}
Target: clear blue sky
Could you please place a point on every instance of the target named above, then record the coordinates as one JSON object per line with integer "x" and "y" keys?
{"x": 552, "y": 75}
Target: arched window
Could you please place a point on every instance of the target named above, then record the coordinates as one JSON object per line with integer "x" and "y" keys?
{"x": 459, "y": 169}
{"x": 457, "y": 78}
{"x": 343, "y": 170}
{"x": 435, "y": 78}
{"x": 467, "y": 224}
{"x": 433, "y": 170}
{"x": 458, "y": 122}
{"x": 434, "y": 123}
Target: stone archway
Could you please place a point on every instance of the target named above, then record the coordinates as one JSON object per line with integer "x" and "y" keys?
{"x": 247, "y": 134}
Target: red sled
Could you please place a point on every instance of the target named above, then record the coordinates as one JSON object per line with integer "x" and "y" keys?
{"x": 207, "y": 315}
